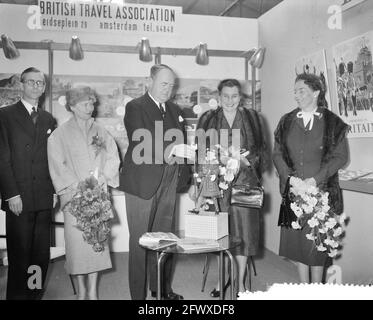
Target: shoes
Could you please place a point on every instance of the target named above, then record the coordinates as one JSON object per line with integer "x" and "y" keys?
{"x": 216, "y": 293}
{"x": 169, "y": 296}
{"x": 173, "y": 296}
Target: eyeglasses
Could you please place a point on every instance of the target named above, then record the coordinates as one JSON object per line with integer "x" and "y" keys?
{"x": 32, "y": 83}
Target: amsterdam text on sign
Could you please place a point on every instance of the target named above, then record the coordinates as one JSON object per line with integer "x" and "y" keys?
{"x": 108, "y": 17}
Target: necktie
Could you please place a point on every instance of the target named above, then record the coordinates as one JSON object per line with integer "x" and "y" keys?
{"x": 163, "y": 109}
{"x": 34, "y": 115}
{"x": 308, "y": 117}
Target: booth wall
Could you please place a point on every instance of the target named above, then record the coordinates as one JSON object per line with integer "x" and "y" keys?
{"x": 290, "y": 30}
{"x": 221, "y": 33}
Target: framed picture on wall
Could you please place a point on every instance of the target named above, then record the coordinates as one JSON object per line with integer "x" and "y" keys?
{"x": 315, "y": 63}
{"x": 10, "y": 89}
{"x": 113, "y": 94}
{"x": 353, "y": 71}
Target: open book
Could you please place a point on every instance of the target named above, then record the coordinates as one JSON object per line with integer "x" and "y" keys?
{"x": 158, "y": 239}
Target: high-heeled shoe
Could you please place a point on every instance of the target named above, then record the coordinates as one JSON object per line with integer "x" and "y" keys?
{"x": 216, "y": 293}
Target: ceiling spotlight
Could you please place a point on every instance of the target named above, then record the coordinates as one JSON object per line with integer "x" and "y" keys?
{"x": 202, "y": 57}
{"x": 145, "y": 52}
{"x": 257, "y": 58}
{"x": 10, "y": 50}
{"x": 76, "y": 51}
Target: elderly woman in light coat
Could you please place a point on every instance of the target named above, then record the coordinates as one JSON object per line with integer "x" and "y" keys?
{"x": 73, "y": 156}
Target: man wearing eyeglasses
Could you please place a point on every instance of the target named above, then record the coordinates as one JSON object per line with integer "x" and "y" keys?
{"x": 26, "y": 188}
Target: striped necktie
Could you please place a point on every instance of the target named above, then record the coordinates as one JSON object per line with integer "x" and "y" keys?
{"x": 34, "y": 115}
{"x": 163, "y": 109}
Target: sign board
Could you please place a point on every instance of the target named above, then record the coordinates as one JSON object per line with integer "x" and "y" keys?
{"x": 78, "y": 16}
{"x": 347, "y": 4}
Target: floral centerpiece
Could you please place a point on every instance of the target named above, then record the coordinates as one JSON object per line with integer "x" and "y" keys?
{"x": 311, "y": 206}
{"x": 91, "y": 206}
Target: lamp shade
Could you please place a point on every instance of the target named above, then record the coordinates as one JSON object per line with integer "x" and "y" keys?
{"x": 145, "y": 52}
{"x": 10, "y": 50}
{"x": 202, "y": 57}
{"x": 257, "y": 58}
{"x": 76, "y": 51}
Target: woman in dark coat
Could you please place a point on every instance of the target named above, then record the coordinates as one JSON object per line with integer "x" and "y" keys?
{"x": 311, "y": 144}
{"x": 242, "y": 128}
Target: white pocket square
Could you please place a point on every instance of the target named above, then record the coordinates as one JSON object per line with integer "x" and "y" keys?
{"x": 49, "y": 131}
{"x": 181, "y": 119}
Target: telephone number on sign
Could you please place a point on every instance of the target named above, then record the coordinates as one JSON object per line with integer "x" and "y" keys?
{"x": 150, "y": 27}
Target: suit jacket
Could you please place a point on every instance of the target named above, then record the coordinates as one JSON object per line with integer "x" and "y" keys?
{"x": 144, "y": 179}
{"x": 23, "y": 157}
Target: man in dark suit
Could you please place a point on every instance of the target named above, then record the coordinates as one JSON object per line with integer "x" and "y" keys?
{"x": 26, "y": 188}
{"x": 149, "y": 179}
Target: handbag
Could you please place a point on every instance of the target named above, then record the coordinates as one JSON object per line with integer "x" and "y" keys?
{"x": 286, "y": 216}
{"x": 248, "y": 196}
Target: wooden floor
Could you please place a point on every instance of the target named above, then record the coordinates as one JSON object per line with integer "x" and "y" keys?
{"x": 113, "y": 284}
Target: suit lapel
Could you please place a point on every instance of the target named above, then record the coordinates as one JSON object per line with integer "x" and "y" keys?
{"x": 24, "y": 120}
{"x": 152, "y": 109}
{"x": 171, "y": 110}
{"x": 40, "y": 126}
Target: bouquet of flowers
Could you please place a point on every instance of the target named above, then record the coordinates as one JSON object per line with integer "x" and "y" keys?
{"x": 91, "y": 206}
{"x": 311, "y": 206}
{"x": 229, "y": 165}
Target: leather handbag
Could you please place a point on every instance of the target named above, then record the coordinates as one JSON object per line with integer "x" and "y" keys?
{"x": 286, "y": 216}
{"x": 247, "y": 195}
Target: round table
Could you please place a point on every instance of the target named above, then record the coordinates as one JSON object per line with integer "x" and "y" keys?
{"x": 223, "y": 245}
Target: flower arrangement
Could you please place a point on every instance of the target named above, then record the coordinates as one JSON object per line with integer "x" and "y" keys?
{"x": 311, "y": 206}
{"x": 214, "y": 175}
{"x": 91, "y": 206}
{"x": 98, "y": 144}
{"x": 220, "y": 165}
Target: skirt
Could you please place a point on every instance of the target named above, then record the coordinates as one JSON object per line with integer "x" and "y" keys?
{"x": 295, "y": 246}
{"x": 244, "y": 223}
